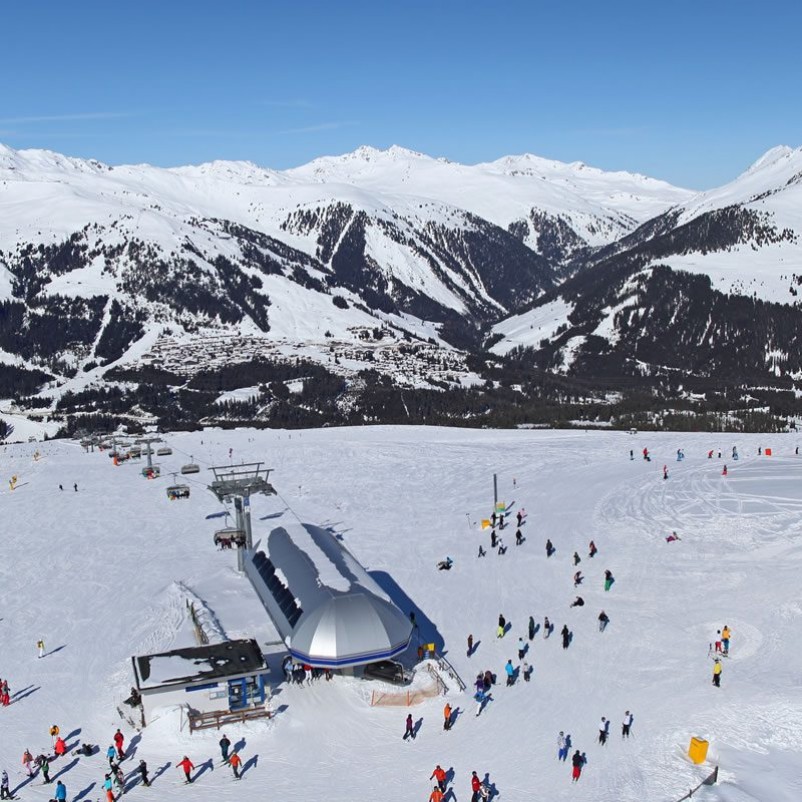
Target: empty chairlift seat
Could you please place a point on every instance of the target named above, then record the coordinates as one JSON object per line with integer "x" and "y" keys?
{"x": 164, "y": 451}
{"x": 190, "y": 467}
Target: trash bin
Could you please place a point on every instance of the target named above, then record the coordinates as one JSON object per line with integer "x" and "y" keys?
{"x": 697, "y": 751}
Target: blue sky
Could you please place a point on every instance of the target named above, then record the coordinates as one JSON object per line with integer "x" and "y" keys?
{"x": 691, "y": 92}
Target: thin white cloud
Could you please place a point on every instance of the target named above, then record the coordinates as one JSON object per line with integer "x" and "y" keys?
{"x": 297, "y": 103}
{"x": 57, "y": 118}
{"x": 311, "y": 129}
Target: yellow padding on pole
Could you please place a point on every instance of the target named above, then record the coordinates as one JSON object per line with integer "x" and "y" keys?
{"x": 697, "y": 751}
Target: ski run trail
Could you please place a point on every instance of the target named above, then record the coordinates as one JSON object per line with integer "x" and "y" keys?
{"x": 104, "y": 573}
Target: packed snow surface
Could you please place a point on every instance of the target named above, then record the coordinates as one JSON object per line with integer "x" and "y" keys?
{"x": 102, "y": 574}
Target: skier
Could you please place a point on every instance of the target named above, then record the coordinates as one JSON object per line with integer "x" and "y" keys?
{"x": 578, "y": 578}
{"x": 646, "y": 453}
{"x": 510, "y": 673}
{"x": 447, "y": 716}
{"x": 44, "y": 765}
{"x": 577, "y": 559}
{"x": 493, "y": 539}
{"x": 578, "y": 602}
{"x": 526, "y": 670}
{"x": 119, "y": 780}
{"x": 40, "y": 645}
{"x": 718, "y": 642}
{"x": 187, "y": 765}
{"x": 436, "y": 795}
{"x": 235, "y": 761}
{"x": 631, "y": 453}
{"x": 519, "y": 517}
{"x": 501, "y": 521}
{"x": 502, "y": 625}
{"x": 562, "y": 747}
{"x": 576, "y": 763}
{"x": 75, "y": 486}
{"x": 710, "y": 454}
{"x": 565, "y": 632}
{"x": 531, "y": 628}
{"x": 409, "y": 732}
{"x": 470, "y": 645}
{"x": 61, "y": 487}
{"x": 4, "y": 792}
{"x": 119, "y": 738}
{"x": 724, "y": 471}
{"x": 440, "y": 776}
{"x": 626, "y": 725}
{"x": 60, "y": 748}
{"x": 665, "y": 471}
{"x": 61, "y": 792}
{"x": 224, "y": 744}
{"x": 672, "y": 537}
{"x": 108, "y": 787}
{"x": 546, "y": 627}
{"x": 27, "y": 759}
{"x": 725, "y": 639}
{"x": 519, "y": 538}
{"x": 476, "y": 786}
{"x": 549, "y": 548}
{"x": 604, "y": 729}
{"x": 608, "y": 580}
{"x": 481, "y": 697}
{"x": 521, "y": 648}
{"x": 482, "y": 552}
{"x": 604, "y": 620}
{"x": 143, "y": 773}
{"x": 502, "y": 549}
{"x": 493, "y": 519}
{"x": 717, "y": 672}
{"x": 488, "y": 680}
{"x": 592, "y": 550}
{"x": 111, "y": 754}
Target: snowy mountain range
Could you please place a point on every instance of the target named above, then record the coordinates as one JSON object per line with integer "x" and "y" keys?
{"x": 385, "y": 263}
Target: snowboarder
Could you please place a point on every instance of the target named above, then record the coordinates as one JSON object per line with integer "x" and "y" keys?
{"x": 576, "y": 763}
{"x": 626, "y": 725}
{"x": 672, "y": 537}
{"x": 409, "y": 732}
{"x": 531, "y": 628}
{"x": 566, "y": 633}
{"x": 470, "y": 645}
{"x": 235, "y": 761}
{"x": 119, "y": 739}
{"x": 447, "y": 716}
{"x": 592, "y": 550}
{"x": 578, "y": 578}
{"x": 717, "y": 672}
{"x": 61, "y": 792}
{"x": 578, "y": 602}
{"x": 510, "y": 670}
{"x": 187, "y": 765}
{"x": 521, "y": 648}
{"x": 577, "y": 559}
{"x": 224, "y": 744}
{"x": 725, "y": 639}
{"x": 562, "y": 746}
{"x": 143, "y": 773}
{"x": 604, "y": 729}
{"x": 440, "y": 776}
{"x": 546, "y": 627}
{"x": 604, "y": 620}
{"x": 4, "y": 792}
{"x": 608, "y": 580}
{"x": 502, "y": 626}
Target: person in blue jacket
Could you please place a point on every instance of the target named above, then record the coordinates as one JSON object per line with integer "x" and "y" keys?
{"x": 61, "y": 792}
{"x": 510, "y": 672}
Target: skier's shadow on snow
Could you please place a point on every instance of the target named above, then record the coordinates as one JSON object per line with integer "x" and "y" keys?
{"x": 450, "y": 776}
{"x": 22, "y": 785}
{"x": 474, "y": 648}
{"x": 57, "y": 649}
{"x": 249, "y": 764}
{"x": 21, "y": 694}
{"x": 82, "y": 794}
{"x": 455, "y": 714}
{"x": 491, "y": 787}
{"x": 74, "y": 734}
{"x": 416, "y": 728}
{"x": 203, "y": 768}
{"x": 158, "y": 773}
{"x": 72, "y": 746}
{"x": 427, "y": 631}
{"x": 273, "y": 515}
{"x": 239, "y": 745}
{"x": 131, "y": 751}
{"x": 450, "y": 796}
{"x": 66, "y": 768}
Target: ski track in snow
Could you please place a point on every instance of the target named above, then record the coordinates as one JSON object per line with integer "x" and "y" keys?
{"x": 104, "y": 574}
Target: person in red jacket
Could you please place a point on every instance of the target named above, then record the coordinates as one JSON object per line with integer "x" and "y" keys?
{"x": 119, "y": 738}
{"x": 476, "y": 786}
{"x": 60, "y": 747}
{"x": 187, "y": 765}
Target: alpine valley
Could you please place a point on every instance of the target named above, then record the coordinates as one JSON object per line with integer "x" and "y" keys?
{"x": 388, "y": 286}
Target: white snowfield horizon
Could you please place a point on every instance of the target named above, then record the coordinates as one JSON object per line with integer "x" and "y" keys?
{"x": 103, "y": 573}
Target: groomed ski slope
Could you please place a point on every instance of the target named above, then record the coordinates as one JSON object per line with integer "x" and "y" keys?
{"x": 104, "y": 573}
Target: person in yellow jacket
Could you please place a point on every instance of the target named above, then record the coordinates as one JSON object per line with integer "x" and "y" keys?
{"x": 717, "y": 673}
{"x": 725, "y": 639}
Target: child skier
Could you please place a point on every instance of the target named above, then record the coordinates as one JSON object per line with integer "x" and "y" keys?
{"x": 187, "y": 765}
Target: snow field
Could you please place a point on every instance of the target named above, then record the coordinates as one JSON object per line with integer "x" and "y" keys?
{"x": 104, "y": 573}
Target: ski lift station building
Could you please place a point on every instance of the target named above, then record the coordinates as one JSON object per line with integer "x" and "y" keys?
{"x": 328, "y": 610}
{"x": 231, "y": 675}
